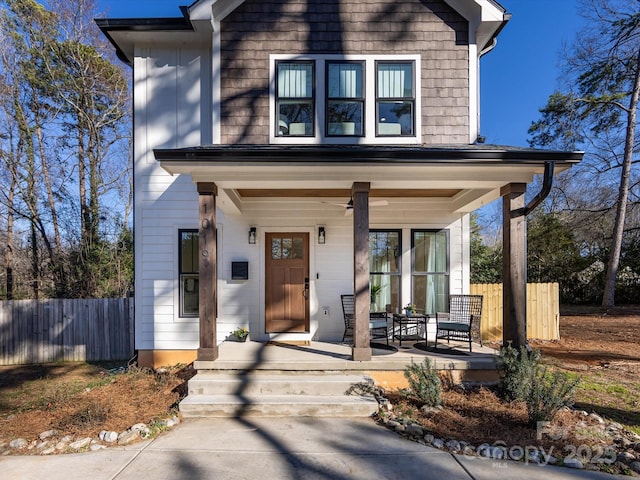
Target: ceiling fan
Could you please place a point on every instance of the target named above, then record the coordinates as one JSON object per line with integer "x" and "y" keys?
{"x": 349, "y": 206}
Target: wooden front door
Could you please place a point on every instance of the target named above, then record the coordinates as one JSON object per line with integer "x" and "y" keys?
{"x": 286, "y": 282}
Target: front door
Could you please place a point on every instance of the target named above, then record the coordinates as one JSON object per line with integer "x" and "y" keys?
{"x": 286, "y": 282}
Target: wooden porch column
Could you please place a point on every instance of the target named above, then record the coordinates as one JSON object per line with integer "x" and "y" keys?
{"x": 207, "y": 245}
{"x": 514, "y": 265}
{"x": 360, "y": 195}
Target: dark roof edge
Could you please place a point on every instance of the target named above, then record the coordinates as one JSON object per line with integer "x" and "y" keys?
{"x": 107, "y": 25}
{"x": 366, "y": 155}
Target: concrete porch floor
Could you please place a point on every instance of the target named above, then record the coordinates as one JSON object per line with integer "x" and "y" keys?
{"x": 476, "y": 367}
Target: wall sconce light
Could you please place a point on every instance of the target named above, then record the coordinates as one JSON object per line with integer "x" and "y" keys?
{"x": 252, "y": 236}
{"x": 322, "y": 238}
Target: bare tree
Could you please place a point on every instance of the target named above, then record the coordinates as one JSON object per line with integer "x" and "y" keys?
{"x": 598, "y": 112}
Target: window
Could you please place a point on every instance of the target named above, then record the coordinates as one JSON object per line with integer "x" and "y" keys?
{"x": 295, "y": 98}
{"x": 430, "y": 270}
{"x": 385, "y": 251}
{"x": 345, "y": 98}
{"x": 188, "y": 273}
{"x": 395, "y": 99}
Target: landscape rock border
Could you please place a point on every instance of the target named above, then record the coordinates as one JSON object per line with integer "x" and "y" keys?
{"x": 622, "y": 451}
{"x": 54, "y": 442}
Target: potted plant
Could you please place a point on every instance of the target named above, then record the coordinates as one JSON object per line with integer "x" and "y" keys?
{"x": 410, "y": 309}
{"x": 241, "y": 334}
{"x": 375, "y": 291}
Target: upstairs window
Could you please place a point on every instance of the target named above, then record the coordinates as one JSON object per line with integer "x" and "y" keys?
{"x": 345, "y": 98}
{"x": 395, "y": 99}
{"x": 295, "y": 98}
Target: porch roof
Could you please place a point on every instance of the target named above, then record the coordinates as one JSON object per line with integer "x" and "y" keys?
{"x": 475, "y": 154}
{"x": 456, "y": 178}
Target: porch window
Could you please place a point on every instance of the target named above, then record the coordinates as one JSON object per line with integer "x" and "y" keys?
{"x": 384, "y": 267}
{"x": 188, "y": 273}
{"x": 345, "y": 98}
{"x": 295, "y": 98}
{"x": 430, "y": 270}
{"x": 395, "y": 99}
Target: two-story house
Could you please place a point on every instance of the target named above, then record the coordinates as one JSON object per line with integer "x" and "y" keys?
{"x": 290, "y": 151}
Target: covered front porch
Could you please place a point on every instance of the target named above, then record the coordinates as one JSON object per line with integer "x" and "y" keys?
{"x": 424, "y": 187}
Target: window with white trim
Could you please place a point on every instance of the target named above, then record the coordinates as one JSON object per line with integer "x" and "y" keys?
{"x": 345, "y": 99}
{"x": 188, "y": 266}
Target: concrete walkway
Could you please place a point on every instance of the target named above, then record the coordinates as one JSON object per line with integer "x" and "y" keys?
{"x": 302, "y": 448}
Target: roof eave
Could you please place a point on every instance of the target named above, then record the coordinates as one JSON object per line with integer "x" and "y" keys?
{"x": 330, "y": 155}
{"x": 108, "y": 26}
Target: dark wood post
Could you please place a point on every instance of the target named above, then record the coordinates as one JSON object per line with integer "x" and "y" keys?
{"x": 207, "y": 244}
{"x": 360, "y": 195}
{"x": 514, "y": 265}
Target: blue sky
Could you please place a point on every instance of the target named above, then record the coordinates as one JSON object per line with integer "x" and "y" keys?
{"x": 516, "y": 78}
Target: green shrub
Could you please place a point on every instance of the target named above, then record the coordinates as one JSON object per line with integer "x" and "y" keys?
{"x": 424, "y": 382}
{"x": 548, "y": 393}
{"x": 525, "y": 379}
{"x": 516, "y": 370}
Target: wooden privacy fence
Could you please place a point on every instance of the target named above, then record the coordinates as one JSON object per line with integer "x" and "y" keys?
{"x": 39, "y": 331}
{"x": 543, "y": 310}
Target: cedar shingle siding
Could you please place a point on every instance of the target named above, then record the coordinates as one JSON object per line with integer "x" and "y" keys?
{"x": 259, "y": 28}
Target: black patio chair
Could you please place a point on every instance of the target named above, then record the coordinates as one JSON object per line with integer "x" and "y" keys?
{"x": 348, "y": 309}
{"x": 462, "y": 321}
{"x": 378, "y": 327}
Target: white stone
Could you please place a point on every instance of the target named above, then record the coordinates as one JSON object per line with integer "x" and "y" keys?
{"x": 414, "y": 430}
{"x": 130, "y": 436}
{"x": 61, "y": 445}
{"x": 626, "y": 457}
{"x": 47, "y": 434}
{"x": 48, "y": 451}
{"x": 573, "y": 463}
{"x": 96, "y": 447}
{"x": 43, "y": 445}
{"x": 438, "y": 443}
{"x": 597, "y": 418}
{"x": 429, "y": 438}
{"x": 453, "y": 445}
{"x": 18, "y": 443}
{"x": 78, "y": 444}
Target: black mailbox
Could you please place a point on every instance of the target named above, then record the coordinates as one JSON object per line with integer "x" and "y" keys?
{"x": 239, "y": 270}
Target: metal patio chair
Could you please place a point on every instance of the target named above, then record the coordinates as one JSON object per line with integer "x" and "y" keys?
{"x": 462, "y": 321}
{"x": 378, "y": 327}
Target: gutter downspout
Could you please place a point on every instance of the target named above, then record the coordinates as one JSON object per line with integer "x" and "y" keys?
{"x": 544, "y": 191}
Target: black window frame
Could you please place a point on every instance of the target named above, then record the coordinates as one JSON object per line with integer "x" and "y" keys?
{"x": 398, "y": 256}
{"x": 446, "y": 274}
{"x": 361, "y": 99}
{"x": 312, "y": 99}
{"x": 412, "y": 99}
{"x": 185, "y": 275}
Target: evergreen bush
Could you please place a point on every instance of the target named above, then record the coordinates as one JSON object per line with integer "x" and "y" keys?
{"x": 424, "y": 382}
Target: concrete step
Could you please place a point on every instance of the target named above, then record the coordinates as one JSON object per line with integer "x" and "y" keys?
{"x": 278, "y": 406}
{"x": 213, "y": 383}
